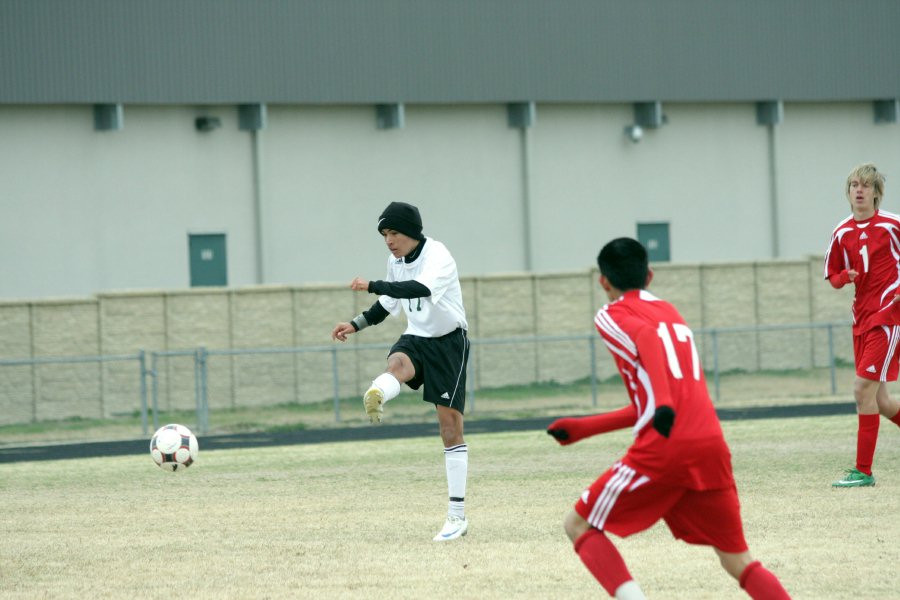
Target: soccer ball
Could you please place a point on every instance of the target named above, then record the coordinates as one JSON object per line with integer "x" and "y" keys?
{"x": 174, "y": 447}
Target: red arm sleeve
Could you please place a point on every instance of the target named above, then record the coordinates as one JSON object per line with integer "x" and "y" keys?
{"x": 839, "y": 280}
{"x": 653, "y": 359}
{"x": 572, "y": 429}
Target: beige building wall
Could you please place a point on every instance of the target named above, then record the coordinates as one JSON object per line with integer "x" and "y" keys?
{"x": 112, "y": 210}
{"x": 329, "y": 173}
{"x": 817, "y": 146}
{"x": 703, "y": 172}
{"x": 106, "y": 211}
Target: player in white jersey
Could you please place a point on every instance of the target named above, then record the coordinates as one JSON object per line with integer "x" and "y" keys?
{"x": 423, "y": 282}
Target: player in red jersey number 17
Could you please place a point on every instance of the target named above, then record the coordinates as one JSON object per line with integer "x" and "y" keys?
{"x": 678, "y": 467}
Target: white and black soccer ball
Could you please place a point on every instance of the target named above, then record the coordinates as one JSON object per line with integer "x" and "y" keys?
{"x": 174, "y": 447}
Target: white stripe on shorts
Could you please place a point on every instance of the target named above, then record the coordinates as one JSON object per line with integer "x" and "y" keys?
{"x": 462, "y": 366}
{"x": 607, "y": 498}
{"x": 893, "y": 337}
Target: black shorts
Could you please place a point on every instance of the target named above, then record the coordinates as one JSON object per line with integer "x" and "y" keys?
{"x": 440, "y": 364}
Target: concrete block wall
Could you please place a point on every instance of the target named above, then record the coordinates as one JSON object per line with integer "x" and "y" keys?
{"x": 16, "y": 382}
{"x": 128, "y": 322}
{"x": 829, "y": 305}
{"x": 278, "y": 317}
{"x": 315, "y": 310}
{"x": 783, "y": 293}
{"x": 66, "y": 328}
{"x": 259, "y": 319}
{"x": 506, "y": 308}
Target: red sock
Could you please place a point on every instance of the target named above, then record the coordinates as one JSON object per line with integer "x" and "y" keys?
{"x": 761, "y": 584}
{"x": 602, "y": 559}
{"x": 866, "y": 438}
{"x": 896, "y": 419}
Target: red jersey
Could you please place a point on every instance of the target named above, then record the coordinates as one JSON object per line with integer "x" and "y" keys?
{"x": 872, "y": 248}
{"x": 655, "y": 353}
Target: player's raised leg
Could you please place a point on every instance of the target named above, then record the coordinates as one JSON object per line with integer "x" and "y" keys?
{"x": 387, "y": 385}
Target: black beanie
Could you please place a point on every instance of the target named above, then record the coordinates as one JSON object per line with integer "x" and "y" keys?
{"x": 402, "y": 217}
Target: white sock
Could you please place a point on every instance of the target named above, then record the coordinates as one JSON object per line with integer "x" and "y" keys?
{"x": 630, "y": 591}
{"x": 388, "y": 384}
{"x": 456, "y": 459}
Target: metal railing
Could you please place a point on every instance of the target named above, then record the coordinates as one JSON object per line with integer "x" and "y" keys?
{"x": 709, "y": 341}
{"x": 715, "y": 334}
{"x": 139, "y": 357}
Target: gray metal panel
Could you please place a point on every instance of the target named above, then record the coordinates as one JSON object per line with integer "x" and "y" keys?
{"x": 521, "y": 115}
{"x": 252, "y": 117}
{"x": 769, "y": 112}
{"x": 886, "y": 111}
{"x": 434, "y": 51}
{"x": 648, "y": 114}
{"x": 108, "y": 117}
{"x": 389, "y": 116}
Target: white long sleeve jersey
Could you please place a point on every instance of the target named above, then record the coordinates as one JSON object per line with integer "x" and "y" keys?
{"x": 443, "y": 311}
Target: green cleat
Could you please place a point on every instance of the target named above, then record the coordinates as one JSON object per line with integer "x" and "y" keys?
{"x": 854, "y": 478}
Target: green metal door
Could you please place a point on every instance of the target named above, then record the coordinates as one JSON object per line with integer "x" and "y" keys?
{"x": 209, "y": 265}
{"x": 655, "y": 238}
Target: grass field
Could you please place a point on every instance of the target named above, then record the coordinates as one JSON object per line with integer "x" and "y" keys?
{"x": 355, "y": 520}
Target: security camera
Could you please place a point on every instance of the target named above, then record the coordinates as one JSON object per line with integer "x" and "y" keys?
{"x": 207, "y": 123}
{"x": 634, "y": 133}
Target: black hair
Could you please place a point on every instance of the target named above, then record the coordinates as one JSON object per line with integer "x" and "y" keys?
{"x": 623, "y": 261}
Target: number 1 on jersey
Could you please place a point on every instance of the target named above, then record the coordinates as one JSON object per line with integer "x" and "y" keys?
{"x": 864, "y": 252}
{"x": 683, "y": 334}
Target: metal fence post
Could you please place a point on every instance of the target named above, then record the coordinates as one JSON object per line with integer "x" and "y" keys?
{"x": 831, "y": 359}
{"x": 197, "y": 387}
{"x": 336, "y": 381}
{"x": 200, "y": 402}
{"x": 715, "y": 341}
{"x": 154, "y": 389}
{"x": 470, "y": 378}
{"x": 204, "y": 388}
{"x": 142, "y": 363}
{"x": 592, "y": 343}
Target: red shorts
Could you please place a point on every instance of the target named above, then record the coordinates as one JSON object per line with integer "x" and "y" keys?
{"x": 624, "y": 502}
{"x": 875, "y": 353}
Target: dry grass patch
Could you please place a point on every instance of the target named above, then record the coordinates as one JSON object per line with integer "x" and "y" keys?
{"x": 355, "y": 520}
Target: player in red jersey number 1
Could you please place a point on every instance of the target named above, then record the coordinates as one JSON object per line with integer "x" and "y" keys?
{"x": 679, "y": 467}
{"x": 864, "y": 250}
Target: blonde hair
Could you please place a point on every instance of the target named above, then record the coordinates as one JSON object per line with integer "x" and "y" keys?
{"x": 867, "y": 175}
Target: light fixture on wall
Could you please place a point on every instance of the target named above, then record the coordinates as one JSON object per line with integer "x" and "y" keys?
{"x": 647, "y": 115}
{"x": 207, "y": 123}
{"x": 634, "y": 132}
